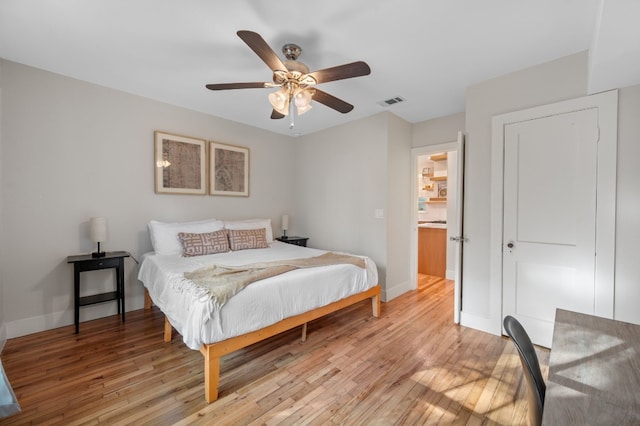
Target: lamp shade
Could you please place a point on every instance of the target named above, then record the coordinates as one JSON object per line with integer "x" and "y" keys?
{"x": 98, "y": 229}
{"x": 280, "y": 101}
{"x": 285, "y": 222}
{"x": 302, "y": 99}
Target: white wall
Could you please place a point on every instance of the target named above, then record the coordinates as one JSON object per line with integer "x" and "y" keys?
{"x": 398, "y": 210}
{"x": 341, "y": 178}
{"x": 627, "y": 272}
{"x": 438, "y": 130}
{"x": 71, "y": 150}
{"x": 558, "y": 80}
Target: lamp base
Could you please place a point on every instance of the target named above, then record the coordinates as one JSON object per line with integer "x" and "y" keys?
{"x": 98, "y": 253}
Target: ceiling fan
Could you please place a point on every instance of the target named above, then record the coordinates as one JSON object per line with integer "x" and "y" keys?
{"x": 297, "y": 86}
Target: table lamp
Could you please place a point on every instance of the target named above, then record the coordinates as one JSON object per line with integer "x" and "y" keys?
{"x": 98, "y": 233}
{"x": 285, "y": 225}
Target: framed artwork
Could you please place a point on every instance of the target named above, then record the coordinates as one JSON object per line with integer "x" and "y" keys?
{"x": 229, "y": 170}
{"x": 180, "y": 164}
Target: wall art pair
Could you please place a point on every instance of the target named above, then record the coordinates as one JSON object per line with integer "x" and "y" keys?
{"x": 185, "y": 165}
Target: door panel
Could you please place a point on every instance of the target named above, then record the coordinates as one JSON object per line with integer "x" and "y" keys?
{"x": 549, "y": 234}
{"x": 546, "y": 180}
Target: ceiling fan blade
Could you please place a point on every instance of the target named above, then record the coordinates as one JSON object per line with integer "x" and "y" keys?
{"x": 276, "y": 115}
{"x": 227, "y": 86}
{"x": 332, "y": 102}
{"x": 262, "y": 49}
{"x": 340, "y": 72}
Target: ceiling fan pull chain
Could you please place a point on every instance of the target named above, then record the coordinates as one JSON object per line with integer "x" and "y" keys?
{"x": 292, "y": 112}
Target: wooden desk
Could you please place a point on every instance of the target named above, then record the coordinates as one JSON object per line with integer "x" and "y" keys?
{"x": 594, "y": 372}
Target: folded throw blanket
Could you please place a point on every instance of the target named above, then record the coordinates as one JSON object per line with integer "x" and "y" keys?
{"x": 220, "y": 283}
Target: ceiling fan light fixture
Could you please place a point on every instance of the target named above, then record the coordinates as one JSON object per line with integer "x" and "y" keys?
{"x": 302, "y": 99}
{"x": 280, "y": 101}
{"x": 296, "y": 84}
{"x": 303, "y": 109}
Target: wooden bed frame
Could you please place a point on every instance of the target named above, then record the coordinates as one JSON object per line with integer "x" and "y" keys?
{"x": 213, "y": 351}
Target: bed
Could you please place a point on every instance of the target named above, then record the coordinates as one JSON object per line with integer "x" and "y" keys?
{"x": 256, "y": 312}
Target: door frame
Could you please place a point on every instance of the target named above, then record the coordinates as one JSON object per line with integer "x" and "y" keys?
{"x": 607, "y": 105}
{"x": 413, "y": 241}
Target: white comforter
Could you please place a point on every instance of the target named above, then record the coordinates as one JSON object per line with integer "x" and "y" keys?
{"x": 260, "y": 304}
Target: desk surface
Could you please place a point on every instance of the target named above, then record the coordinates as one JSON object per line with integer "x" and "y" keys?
{"x": 594, "y": 372}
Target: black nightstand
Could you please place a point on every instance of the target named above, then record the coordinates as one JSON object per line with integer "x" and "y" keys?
{"x": 85, "y": 262}
{"x": 298, "y": 241}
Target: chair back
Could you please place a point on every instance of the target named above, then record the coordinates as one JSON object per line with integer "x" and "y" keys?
{"x": 531, "y": 367}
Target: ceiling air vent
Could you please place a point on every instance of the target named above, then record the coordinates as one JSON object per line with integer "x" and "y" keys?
{"x": 392, "y": 101}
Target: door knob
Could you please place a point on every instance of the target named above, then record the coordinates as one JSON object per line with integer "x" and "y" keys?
{"x": 510, "y": 245}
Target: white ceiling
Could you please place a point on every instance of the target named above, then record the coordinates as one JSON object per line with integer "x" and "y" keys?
{"x": 426, "y": 51}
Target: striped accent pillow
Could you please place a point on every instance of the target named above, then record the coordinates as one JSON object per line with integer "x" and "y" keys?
{"x": 243, "y": 239}
{"x": 203, "y": 244}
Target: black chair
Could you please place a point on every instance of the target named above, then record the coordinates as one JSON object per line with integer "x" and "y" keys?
{"x": 531, "y": 367}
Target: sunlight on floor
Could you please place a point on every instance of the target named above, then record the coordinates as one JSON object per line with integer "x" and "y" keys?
{"x": 456, "y": 386}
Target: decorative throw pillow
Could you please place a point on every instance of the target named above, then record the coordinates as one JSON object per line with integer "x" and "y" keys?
{"x": 251, "y": 224}
{"x": 243, "y": 239}
{"x": 203, "y": 244}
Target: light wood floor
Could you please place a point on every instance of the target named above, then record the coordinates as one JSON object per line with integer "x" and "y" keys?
{"x": 411, "y": 366}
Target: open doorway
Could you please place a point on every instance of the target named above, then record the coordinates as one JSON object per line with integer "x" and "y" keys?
{"x": 436, "y": 224}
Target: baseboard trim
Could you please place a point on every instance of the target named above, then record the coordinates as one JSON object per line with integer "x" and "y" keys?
{"x": 25, "y": 326}
{"x": 488, "y": 325}
{"x": 396, "y": 290}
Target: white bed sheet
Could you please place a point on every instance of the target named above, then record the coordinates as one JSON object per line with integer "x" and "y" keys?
{"x": 260, "y": 304}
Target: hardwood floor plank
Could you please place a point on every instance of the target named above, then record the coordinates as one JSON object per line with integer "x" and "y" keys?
{"x": 410, "y": 366}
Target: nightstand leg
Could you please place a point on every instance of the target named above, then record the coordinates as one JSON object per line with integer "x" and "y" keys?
{"x": 119, "y": 290}
{"x": 76, "y": 298}
{"x": 121, "y": 285}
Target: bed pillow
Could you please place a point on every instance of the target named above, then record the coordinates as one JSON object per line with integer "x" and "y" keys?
{"x": 252, "y": 224}
{"x": 204, "y": 244}
{"x": 244, "y": 239}
{"x": 164, "y": 235}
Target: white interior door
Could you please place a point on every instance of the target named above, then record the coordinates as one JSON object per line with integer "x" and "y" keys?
{"x": 549, "y": 234}
{"x": 532, "y": 205}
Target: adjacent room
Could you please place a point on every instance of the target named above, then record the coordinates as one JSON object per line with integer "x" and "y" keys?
{"x": 357, "y": 212}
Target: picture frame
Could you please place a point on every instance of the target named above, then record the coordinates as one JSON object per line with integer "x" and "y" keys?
{"x": 228, "y": 170}
{"x": 180, "y": 164}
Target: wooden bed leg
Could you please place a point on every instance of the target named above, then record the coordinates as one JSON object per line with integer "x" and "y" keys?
{"x": 304, "y": 332}
{"x": 147, "y": 300}
{"x": 211, "y": 374}
{"x": 375, "y": 305}
{"x": 167, "y": 330}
